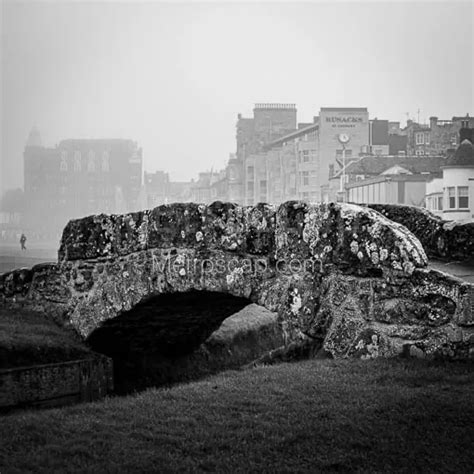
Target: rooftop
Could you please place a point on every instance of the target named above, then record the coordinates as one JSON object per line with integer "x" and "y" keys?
{"x": 275, "y": 106}
{"x": 464, "y": 155}
{"x": 291, "y": 136}
{"x": 375, "y": 165}
{"x": 343, "y": 109}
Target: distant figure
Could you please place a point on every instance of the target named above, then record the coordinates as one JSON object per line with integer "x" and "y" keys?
{"x": 23, "y": 241}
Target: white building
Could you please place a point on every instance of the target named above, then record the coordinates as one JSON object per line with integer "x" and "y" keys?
{"x": 456, "y": 188}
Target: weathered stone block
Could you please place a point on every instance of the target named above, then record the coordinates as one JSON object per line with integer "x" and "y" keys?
{"x": 442, "y": 239}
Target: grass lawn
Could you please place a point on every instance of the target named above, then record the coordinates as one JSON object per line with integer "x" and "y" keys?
{"x": 317, "y": 415}
{"x": 27, "y": 338}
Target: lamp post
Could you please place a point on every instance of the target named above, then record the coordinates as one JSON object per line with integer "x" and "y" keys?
{"x": 343, "y": 140}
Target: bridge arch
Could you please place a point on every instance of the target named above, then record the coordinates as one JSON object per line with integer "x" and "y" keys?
{"x": 173, "y": 337}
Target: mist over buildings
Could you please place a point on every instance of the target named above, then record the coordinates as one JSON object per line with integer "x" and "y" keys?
{"x": 169, "y": 80}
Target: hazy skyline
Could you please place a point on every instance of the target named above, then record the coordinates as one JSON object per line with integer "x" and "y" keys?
{"x": 173, "y": 77}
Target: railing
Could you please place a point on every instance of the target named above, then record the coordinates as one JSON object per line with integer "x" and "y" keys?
{"x": 275, "y": 106}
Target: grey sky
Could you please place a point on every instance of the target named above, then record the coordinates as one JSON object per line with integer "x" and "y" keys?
{"x": 174, "y": 76}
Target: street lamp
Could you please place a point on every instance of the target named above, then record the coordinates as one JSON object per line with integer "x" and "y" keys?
{"x": 343, "y": 140}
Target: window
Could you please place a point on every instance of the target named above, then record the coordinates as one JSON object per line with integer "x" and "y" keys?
{"x": 305, "y": 175}
{"x": 63, "y": 164}
{"x": 463, "y": 196}
{"x": 452, "y": 197}
{"x": 305, "y": 156}
{"x": 427, "y": 138}
{"x": 250, "y": 172}
{"x": 440, "y": 203}
{"x": 263, "y": 187}
{"x": 419, "y": 152}
{"x": 77, "y": 161}
{"x": 250, "y": 187}
{"x": 105, "y": 161}
{"x": 90, "y": 161}
{"x": 420, "y": 138}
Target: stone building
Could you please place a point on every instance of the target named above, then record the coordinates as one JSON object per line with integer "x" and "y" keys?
{"x": 77, "y": 178}
{"x": 438, "y": 137}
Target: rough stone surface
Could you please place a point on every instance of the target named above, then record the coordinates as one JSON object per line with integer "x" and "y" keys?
{"x": 338, "y": 273}
{"x": 243, "y": 337}
{"x": 441, "y": 239}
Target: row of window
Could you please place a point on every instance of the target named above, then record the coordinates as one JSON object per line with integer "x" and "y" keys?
{"x": 306, "y": 156}
{"x": 434, "y": 203}
{"x": 92, "y": 165}
{"x": 422, "y": 138}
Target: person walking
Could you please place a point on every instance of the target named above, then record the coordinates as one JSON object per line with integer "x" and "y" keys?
{"x": 23, "y": 241}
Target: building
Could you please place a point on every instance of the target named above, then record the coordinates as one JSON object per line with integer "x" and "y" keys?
{"x": 269, "y": 123}
{"x": 379, "y": 137}
{"x": 285, "y": 169}
{"x": 234, "y": 176}
{"x": 390, "y": 179}
{"x": 452, "y": 196}
{"x": 386, "y": 138}
{"x": 278, "y": 159}
{"x": 343, "y": 136}
{"x": 202, "y": 190}
{"x": 299, "y": 163}
{"x": 438, "y": 137}
{"x": 77, "y": 178}
{"x": 159, "y": 189}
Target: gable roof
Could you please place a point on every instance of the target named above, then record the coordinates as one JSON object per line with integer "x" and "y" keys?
{"x": 375, "y": 165}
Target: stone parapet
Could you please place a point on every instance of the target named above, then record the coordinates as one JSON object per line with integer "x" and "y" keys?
{"x": 440, "y": 238}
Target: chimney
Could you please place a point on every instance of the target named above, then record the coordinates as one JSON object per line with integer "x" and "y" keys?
{"x": 433, "y": 122}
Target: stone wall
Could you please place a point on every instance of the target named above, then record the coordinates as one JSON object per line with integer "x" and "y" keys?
{"x": 337, "y": 273}
{"x": 440, "y": 239}
{"x": 56, "y": 384}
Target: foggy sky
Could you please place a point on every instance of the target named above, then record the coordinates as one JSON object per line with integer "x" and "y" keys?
{"x": 174, "y": 76}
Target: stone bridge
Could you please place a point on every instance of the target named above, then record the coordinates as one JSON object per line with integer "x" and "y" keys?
{"x": 337, "y": 273}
